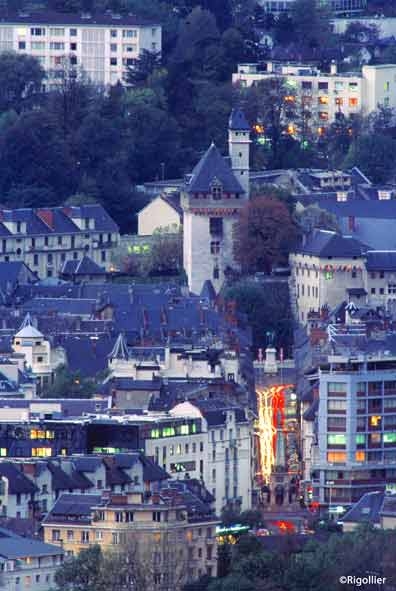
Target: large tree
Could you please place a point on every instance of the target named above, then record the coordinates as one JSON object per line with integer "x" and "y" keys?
{"x": 21, "y": 78}
{"x": 264, "y": 234}
{"x": 374, "y": 154}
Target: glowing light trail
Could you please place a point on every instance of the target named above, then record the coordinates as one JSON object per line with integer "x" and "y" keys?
{"x": 270, "y": 403}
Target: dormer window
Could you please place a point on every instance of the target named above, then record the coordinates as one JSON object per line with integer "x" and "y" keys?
{"x": 217, "y": 190}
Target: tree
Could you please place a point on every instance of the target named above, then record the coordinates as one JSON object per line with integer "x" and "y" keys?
{"x": 374, "y": 155}
{"x": 81, "y": 572}
{"x": 70, "y": 384}
{"x": 312, "y": 217}
{"x": 311, "y": 24}
{"x": 146, "y": 64}
{"x": 271, "y": 105}
{"x": 267, "y": 309}
{"x": 264, "y": 235}
{"x": 21, "y": 78}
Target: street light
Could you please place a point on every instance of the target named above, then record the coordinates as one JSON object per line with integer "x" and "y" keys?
{"x": 330, "y": 483}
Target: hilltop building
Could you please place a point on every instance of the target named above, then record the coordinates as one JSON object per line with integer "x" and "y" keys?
{"x": 211, "y": 198}
{"x": 102, "y": 46}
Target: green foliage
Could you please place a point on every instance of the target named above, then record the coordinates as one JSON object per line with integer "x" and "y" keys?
{"x": 70, "y": 384}
{"x": 267, "y": 307}
{"x": 81, "y": 573}
{"x": 21, "y": 77}
{"x": 312, "y": 217}
{"x": 374, "y": 155}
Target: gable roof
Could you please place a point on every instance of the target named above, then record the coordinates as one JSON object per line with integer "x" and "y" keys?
{"x": 13, "y": 546}
{"x": 18, "y": 483}
{"x": 323, "y": 243}
{"x": 210, "y": 169}
{"x": 367, "y": 509}
{"x": 84, "y": 266}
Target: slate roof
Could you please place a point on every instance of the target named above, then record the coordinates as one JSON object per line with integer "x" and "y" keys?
{"x": 65, "y": 18}
{"x": 324, "y": 243}
{"x": 63, "y": 481}
{"x": 375, "y": 209}
{"x": 18, "y": 483}
{"x": 366, "y": 510}
{"x": 114, "y": 474}
{"x": 173, "y": 199}
{"x": 72, "y": 306}
{"x": 59, "y": 220}
{"x": 213, "y": 168}
{"x": 381, "y": 260}
{"x": 72, "y": 507}
{"x": 237, "y": 121}
{"x": 84, "y": 266}
{"x": 10, "y": 272}
{"x": 208, "y": 291}
{"x": 13, "y": 546}
{"x": 152, "y": 472}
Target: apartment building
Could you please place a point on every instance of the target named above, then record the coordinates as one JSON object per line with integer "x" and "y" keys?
{"x": 44, "y": 239}
{"x": 102, "y": 46}
{"x": 330, "y": 269}
{"x": 337, "y": 6}
{"x": 354, "y": 416}
{"x": 172, "y": 535}
{"x": 27, "y": 564}
{"x": 320, "y": 96}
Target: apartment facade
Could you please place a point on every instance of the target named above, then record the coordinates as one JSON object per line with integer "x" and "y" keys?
{"x": 44, "y": 239}
{"x": 338, "y": 6}
{"x": 102, "y": 47}
{"x": 321, "y": 97}
{"x": 354, "y": 450}
{"x": 157, "y": 530}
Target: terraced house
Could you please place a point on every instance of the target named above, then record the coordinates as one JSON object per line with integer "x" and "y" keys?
{"x": 44, "y": 239}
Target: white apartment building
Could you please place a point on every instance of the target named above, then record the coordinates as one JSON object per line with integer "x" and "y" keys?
{"x": 338, "y": 6}
{"x": 101, "y": 46}
{"x": 221, "y": 452}
{"x": 321, "y": 95}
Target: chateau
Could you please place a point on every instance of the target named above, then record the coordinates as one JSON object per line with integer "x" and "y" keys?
{"x": 211, "y": 198}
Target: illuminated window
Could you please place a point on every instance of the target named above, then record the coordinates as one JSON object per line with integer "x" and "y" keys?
{"x": 41, "y": 452}
{"x": 360, "y": 439}
{"x": 184, "y": 430}
{"x": 387, "y": 86}
{"x": 290, "y": 98}
{"x": 339, "y": 101}
{"x": 321, "y": 130}
{"x": 353, "y": 101}
{"x": 375, "y": 421}
{"x": 323, "y": 100}
{"x": 389, "y": 437}
{"x": 193, "y": 428}
{"x": 50, "y": 434}
{"x": 155, "y": 433}
{"x": 168, "y": 432}
{"x": 336, "y": 457}
{"x": 375, "y": 438}
{"x": 291, "y": 129}
{"x": 323, "y": 115}
{"x": 360, "y": 456}
{"x": 336, "y": 439}
{"x": 328, "y": 275}
{"x": 3, "y": 452}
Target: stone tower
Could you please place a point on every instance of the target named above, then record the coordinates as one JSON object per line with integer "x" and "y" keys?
{"x": 239, "y": 147}
{"x": 211, "y": 199}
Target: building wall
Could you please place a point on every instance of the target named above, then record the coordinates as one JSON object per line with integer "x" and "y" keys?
{"x": 157, "y": 214}
{"x": 46, "y": 255}
{"x": 102, "y": 52}
{"x": 379, "y": 87}
{"x": 39, "y": 575}
{"x": 317, "y": 282}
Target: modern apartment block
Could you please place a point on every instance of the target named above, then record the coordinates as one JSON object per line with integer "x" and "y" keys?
{"x": 321, "y": 96}
{"x": 353, "y": 450}
{"x": 44, "y": 239}
{"x": 101, "y": 46}
{"x": 337, "y": 6}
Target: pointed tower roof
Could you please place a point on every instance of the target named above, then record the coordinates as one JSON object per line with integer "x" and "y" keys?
{"x": 213, "y": 168}
{"x": 120, "y": 349}
{"x": 27, "y": 330}
{"x": 238, "y": 121}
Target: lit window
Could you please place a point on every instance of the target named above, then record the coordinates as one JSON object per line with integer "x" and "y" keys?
{"x": 389, "y": 437}
{"x": 290, "y": 98}
{"x": 375, "y": 421}
{"x": 336, "y": 457}
{"x": 360, "y": 456}
{"x": 353, "y": 101}
{"x": 323, "y": 115}
{"x": 336, "y": 439}
{"x": 323, "y": 100}
{"x": 339, "y": 101}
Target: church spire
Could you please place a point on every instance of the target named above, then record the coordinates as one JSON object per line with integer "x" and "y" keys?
{"x": 120, "y": 349}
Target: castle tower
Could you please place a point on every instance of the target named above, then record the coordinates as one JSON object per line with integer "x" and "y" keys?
{"x": 211, "y": 199}
{"x": 239, "y": 147}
